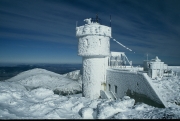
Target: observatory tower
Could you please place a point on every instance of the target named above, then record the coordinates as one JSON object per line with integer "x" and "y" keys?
{"x": 94, "y": 47}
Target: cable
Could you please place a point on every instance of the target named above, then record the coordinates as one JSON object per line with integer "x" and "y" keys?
{"x": 121, "y": 44}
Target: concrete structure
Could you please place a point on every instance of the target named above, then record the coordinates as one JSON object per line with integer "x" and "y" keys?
{"x": 118, "y": 59}
{"x": 137, "y": 85}
{"x": 155, "y": 68}
{"x": 104, "y": 73}
{"x": 94, "y": 47}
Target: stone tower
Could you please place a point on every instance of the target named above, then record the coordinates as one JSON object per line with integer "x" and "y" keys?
{"x": 94, "y": 47}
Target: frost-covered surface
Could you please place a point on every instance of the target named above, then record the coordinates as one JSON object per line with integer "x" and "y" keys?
{"x": 165, "y": 91}
{"x": 16, "y": 102}
{"x": 75, "y": 75}
{"x": 169, "y": 89}
{"x": 94, "y": 45}
{"x": 43, "y": 78}
{"x": 93, "y": 29}
{"x": 93, "y": 39}
{"x": 93, "y": 76}
{"x": 133, "y": 82}
{"x": 175, "y": 69}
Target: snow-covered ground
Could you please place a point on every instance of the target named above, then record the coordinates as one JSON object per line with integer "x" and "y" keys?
{"x": 175, "y": 68}
{"x": 33, "y": 95}
{"x": 36, "y": 78}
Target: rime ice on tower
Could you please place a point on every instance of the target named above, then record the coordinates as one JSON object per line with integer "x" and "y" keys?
{"x": 94, "y": 47}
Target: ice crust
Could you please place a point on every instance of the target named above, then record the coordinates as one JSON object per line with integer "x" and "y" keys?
{"x": 16, "y": 102}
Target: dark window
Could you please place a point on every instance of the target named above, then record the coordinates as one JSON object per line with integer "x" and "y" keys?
{"x": 99, "y": 42}
{"x": 115, "y": 89}
{"x": 86, "y": 42}
{"x": 137, "y": 84}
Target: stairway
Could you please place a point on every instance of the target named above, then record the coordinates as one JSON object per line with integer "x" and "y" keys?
{"x": 107, "y": 95}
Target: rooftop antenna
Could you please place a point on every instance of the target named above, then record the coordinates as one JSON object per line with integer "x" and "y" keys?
{"x": 110, "y": 21}
{"x": 76, "y": 23}
{"x": 97, "y": 19}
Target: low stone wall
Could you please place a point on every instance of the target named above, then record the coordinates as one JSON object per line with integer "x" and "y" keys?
{"x": 133, "y": 84}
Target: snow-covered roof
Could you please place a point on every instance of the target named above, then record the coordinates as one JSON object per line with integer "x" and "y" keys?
{"x": 93, "y": 29}
{"x": 156, "y": 59}
{"x": 116, "y": 53}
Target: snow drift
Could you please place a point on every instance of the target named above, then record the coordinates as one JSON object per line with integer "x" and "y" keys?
{"x": 39, "y": 102}
{"x": 36, "y": 78}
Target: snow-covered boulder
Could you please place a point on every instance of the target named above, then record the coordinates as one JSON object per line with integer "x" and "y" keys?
{"x": 75, "y": 75}
{"x": 87, "y": 113}
{"x": 109, "y": 108}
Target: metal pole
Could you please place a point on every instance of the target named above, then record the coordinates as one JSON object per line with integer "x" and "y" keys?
{"x": 110, "y": 21}
{"x": 76, "y": 23}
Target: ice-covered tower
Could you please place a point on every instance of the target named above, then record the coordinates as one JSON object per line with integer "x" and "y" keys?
{"x": 94, "y": 47}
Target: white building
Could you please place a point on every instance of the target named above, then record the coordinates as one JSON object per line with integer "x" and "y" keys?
{"x": 105, "y": 74}
{"x": 94, "y": 48}
{"x": 118, "y": 59}
{"x": 155, "y": 68}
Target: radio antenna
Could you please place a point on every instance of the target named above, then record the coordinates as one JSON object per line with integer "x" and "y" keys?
{"x": 76, "y": 23}
{"x": 110, "y": 21}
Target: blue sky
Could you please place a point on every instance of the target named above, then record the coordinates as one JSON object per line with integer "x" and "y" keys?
{"x": 43, "y": 31}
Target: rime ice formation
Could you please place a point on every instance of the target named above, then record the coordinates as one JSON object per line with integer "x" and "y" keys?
{"x": 155, "y": 68}
{"x": 16, "y": 102}
{"x": 94, "y": 47}
{"x": 122, "y": 45}
{"x": 37, "y": 77}
{"x": 122, "y": 83}
{"x": 106, "y": 74}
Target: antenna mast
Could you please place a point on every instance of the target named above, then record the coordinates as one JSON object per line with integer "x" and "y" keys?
{"x": 110, "y": 21}
{"x": 76, "y": 23}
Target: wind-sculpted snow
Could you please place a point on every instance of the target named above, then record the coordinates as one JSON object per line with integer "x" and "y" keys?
{"x": 16, "y": 102}
{"x": 143, "y": 111}
{"x": 169, "y": 89}
{"x": 75, "y": 75}
{"x": 43, "y": 78}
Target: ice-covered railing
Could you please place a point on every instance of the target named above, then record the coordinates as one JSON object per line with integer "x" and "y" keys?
{"x": 118, "y": 59}
{"x": 93, "y": 29}
{"x": 125, "y": 57}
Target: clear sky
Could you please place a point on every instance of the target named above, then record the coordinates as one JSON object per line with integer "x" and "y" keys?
{"x": 43, "y": 31}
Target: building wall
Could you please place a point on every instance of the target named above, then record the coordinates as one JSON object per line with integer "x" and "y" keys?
{"x": 93, "y": 29}
{"x": 94, "y": 76}
{"x": 131, "y": 81}
{"x": 146, "y": 65}
{"x": 94, "y": 45}
{"x": 157, "y": 65}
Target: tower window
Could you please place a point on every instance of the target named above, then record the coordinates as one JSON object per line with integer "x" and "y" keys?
{"x": 109, "y": 87}
{"x": 99, "y": 41}
{"x": 115, "y": 89}
{"x": 86, "y": 42}
{"x": 137, "y": 84}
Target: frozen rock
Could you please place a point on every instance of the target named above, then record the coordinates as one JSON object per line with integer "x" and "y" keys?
{"x": 77, "y": 107}
{"x": 108, "y": 109}
{"x": 87, "y": 113}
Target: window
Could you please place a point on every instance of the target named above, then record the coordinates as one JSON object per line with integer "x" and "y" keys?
{"x": 99, "y": 42}
{"x": 109, "y": 87}
{"x": 137, "y": 84}
{"x": 115, "y": 89}
{"x": 86, "y": 42}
